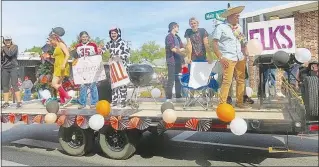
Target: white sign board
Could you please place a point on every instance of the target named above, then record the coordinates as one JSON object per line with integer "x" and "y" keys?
{"x": 88, "y": 70}
{"x": 118, "y": 74}
{"x": 274, "y": 35}
{"x": 199, "y": 74}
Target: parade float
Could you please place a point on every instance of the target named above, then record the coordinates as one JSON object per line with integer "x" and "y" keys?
{"x": 118, "y": 130}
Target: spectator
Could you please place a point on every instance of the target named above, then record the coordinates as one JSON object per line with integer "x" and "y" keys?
{"x": 9, "y": 71}
{"x": 27, "y": 86}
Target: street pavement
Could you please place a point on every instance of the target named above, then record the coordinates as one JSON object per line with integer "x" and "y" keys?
{"x": 37, "y": 145}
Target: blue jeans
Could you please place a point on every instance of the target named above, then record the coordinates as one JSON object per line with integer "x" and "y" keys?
{"x": 27, "y": 95}
{"x": 83, "y": 94}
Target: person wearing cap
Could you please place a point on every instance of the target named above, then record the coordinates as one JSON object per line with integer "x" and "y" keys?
{"x": 9, "y": 71}
{"x": 27, "y": 86}
{"x": 119, "y": 50}
{"x": 229, "y": 45}
{"x": 174, "y": 58}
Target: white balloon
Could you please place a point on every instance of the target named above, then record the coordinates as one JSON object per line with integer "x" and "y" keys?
{"x": 96, "y": 122}
{"x": 45, "y": 94}
{"x": 156, "y": 93}
{"x": 303, "y": 55}
{"x": 249, "y": 91}
{"x": 71, "y": 93}
{"x": 238, "y": 126}
{"x": 254, "y": 47}
{"x": 169, "y": 116}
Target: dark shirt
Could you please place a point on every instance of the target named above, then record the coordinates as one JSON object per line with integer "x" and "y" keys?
{"x": 9, "y": 57}
{"x": 196, "y": 38}
{"x": 173, "y": 41}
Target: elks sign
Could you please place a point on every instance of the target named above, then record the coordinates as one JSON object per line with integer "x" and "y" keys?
{"x": 274, "y": 35}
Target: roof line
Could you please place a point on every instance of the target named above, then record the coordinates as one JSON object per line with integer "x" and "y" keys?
{"x": 276, "y": 8}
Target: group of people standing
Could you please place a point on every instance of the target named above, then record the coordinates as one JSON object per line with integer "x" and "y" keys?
{"x": 118, "y": 49}
{"x": 229, "y": 46}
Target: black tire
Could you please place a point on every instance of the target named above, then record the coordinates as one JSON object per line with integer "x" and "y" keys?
{"x": 126, "y": 142}
{"x": 86, "y": 140}
{"x": 311, "y": 85}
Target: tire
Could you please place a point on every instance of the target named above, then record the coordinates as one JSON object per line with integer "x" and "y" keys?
{"x": 126, "y": 147}
{"x": 311, "y": 85}
{"x": 86, "y": 141}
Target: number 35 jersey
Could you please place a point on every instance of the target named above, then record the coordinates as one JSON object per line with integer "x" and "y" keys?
{"x": 88, "y": 49}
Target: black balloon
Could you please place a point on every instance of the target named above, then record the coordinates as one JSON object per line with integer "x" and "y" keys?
{"x": 167, "y": 105}
{"x": 52, "y": 106}
{"x": 281, "y": 58}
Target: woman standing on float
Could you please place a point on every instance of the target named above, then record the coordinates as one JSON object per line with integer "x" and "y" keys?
{"x": 118, "y": 48}
{"x": 87, "y": 48}
{"x": 61, "y": 67}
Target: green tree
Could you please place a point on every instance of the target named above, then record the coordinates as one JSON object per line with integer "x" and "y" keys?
{"x": 149, "y": 51}
{"x": 35, "y": 49}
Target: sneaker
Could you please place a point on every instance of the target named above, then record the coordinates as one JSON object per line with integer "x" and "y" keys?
{"x": 92, "y": 107}
{"x": 67, "y": 102}
{"x": 5, "y": 105}
{"x": 229, "y": 100}
{"x": 243, "y": 106}
{"x": 248, "y": 100}
{"x": 81, "y": 107}
{"x": 19, "y": 105}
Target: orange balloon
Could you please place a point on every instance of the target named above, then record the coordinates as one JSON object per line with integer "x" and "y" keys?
{"x": 103, "y": 107}
{"x": 225, "y": 112}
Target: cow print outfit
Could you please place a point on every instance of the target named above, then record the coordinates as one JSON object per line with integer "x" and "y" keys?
{"x": 119, "y": 48}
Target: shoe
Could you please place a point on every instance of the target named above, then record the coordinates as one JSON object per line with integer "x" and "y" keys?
{"x": 5, "y": 105}
{"x": 243, "y": 106}
{"x": 92, "y": 107}
{"x": 229, "y": 100}
{"x": 19, "y": 105}
{"x": 81, "y": 107}
{"x": 169, "y": 100}
{"x": 67, "y": 102}
{"x": 248, "y": 100}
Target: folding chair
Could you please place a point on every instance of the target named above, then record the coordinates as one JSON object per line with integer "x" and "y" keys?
{"x": 198, "y": 84}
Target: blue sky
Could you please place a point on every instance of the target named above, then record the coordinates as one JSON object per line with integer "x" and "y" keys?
{"x": 29, "y": 22}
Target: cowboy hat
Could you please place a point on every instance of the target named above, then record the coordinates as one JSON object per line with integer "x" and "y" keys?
{"x": 232, "y": 10}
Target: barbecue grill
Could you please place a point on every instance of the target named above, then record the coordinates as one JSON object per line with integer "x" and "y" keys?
{"x": 140, "y": 76}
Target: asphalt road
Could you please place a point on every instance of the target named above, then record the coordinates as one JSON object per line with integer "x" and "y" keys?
{"x": 37, "y": 145}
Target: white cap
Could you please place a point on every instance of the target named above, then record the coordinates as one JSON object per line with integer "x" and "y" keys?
{"x": 7, "y": 37}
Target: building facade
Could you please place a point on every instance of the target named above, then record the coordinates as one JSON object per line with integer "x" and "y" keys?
{"x": 305, "y": 14}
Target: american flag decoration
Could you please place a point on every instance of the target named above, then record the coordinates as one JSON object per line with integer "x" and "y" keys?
{"x": 204, "y": 125}
{"x": 161, "y": 127}
{"x": 133, "y": 123}
{"x": 37, "y": 119}
{"x": 114, "y": 122}
{"x": 123, "y": 123}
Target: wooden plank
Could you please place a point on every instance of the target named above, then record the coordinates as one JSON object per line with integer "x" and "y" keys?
{"x": 210, "y": 114}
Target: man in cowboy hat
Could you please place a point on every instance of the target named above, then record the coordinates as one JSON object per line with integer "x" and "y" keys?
{"x": 229, "y": 45}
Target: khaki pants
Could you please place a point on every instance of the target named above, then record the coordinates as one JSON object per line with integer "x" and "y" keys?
{"x": 237, "y": 67}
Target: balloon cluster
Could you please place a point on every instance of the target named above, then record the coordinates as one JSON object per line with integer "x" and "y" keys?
{"x": 52, "y": 107}
{"x": 168, "y": 112}
{"x": 226, "y": 113}
{"x": 103, "y": 109}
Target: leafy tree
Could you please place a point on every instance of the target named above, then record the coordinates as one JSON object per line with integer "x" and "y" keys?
{"x": 35, "y": 49}
{"x": 149, "y": 51}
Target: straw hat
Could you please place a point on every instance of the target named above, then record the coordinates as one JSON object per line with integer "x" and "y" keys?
{"x": 232, "y": 10}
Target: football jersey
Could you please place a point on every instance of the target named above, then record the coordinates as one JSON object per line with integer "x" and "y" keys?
{"x": 88, "y": 49}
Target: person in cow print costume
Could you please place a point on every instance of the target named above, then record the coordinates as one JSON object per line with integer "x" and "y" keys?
{"x": 118, "y": 49}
